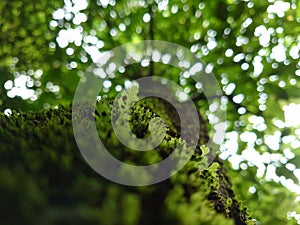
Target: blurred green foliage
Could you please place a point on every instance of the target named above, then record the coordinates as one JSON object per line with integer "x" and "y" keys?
{"x": 251, "y": 46}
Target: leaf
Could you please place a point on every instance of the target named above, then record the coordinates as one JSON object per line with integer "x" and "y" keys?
{"x": 274, "y": 109}
{"x": 282, "y": 171}
{"x": 205, "y": 150}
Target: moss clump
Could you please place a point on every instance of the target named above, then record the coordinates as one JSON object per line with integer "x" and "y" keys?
{"x": 44, "y": 179}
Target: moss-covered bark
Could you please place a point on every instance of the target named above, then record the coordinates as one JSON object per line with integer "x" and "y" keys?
{"x": 44, "y": 179}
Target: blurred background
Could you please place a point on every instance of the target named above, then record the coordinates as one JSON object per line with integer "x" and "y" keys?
{"x": 252, "y": 48}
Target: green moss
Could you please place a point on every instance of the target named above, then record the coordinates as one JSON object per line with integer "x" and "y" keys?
{"x": 45, "y": 180}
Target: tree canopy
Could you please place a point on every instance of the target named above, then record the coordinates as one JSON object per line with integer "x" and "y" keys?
{"x": 252, "y": 48}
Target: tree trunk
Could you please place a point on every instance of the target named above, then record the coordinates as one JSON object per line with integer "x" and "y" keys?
{"x": 45, "y": 180}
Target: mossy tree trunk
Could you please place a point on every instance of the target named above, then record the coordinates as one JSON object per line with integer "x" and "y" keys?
{"x": 44, "y": 179}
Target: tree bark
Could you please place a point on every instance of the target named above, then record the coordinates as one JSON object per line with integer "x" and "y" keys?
{"x": 45, "y": 180}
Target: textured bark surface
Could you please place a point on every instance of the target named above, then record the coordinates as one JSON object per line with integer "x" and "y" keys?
{"x": 44, "y": 179}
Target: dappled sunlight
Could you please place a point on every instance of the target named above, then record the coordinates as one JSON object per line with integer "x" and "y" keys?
{"x": 252, "y": 48}
{"x": 22, "y": 85}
